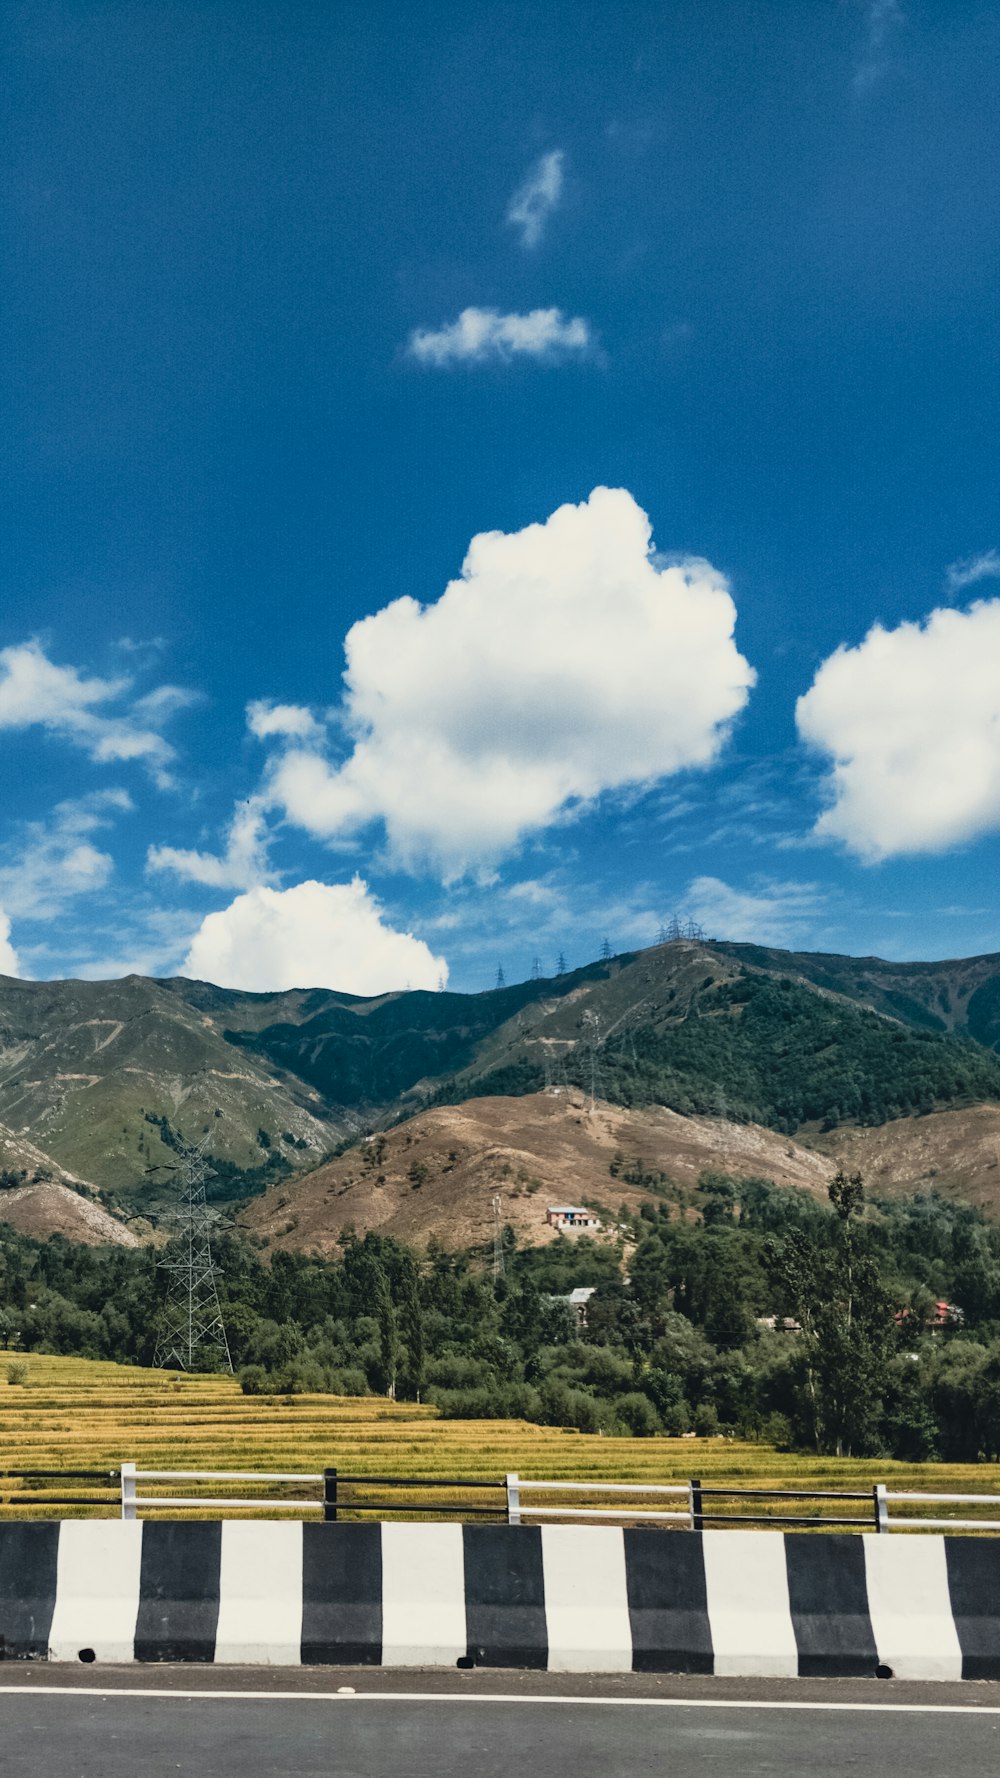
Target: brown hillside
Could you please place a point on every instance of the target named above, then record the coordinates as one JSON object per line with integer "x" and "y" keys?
{"x": 954, "y": 1152}
{"x": 48, "y": 1208}
{"x": 438, "y": 1173}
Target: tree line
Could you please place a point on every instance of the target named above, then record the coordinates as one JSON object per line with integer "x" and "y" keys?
{"x": 677, "y": 1335}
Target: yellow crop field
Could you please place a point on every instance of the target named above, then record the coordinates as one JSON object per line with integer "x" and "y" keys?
{"x": 75, "y": 1414}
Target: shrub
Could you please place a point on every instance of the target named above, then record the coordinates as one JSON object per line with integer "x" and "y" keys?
{"x": 637, "y": 1414}
{"x": 17, "y": 1373}
{"x": 254, "y": 1380}
{"x": 348, "y": 1381}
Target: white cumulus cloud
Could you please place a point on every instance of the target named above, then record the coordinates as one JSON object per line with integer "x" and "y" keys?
{"x": 294, "y": 721}
{"x": 537, "y": 197}
{"x": 567, "y": 660}
{"x": 911, "y": 721}
{"x": 315, "y": 935}
{"x": 9, "y": 964}
{"x": 35, "y": 692}
{"x": 545, "y": 335}
{"x": 243, "y": 865}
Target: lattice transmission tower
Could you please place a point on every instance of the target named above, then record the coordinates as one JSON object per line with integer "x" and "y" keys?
{"x": 592, "y": 1023}
{"x": 498, "y": 1260}
{"x": 194, "y": 1314}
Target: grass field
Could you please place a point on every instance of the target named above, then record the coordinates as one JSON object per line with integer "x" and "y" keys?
{"x": 77, "y": 1414}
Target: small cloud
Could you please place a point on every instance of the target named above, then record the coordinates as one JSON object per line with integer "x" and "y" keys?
{"x": 544, "y": 335}
{"x": 315, "y": 935}
{"x": 36, "y": 693}
{"x": 771, "y": 913}
{"x": 9, "y": 963}
{"x": 966, "y": 572}
{"x": 882, "y": 18}
{"x": 49, "y": 863}
{"x": 537, "y": 197}
{"x": 244, "y": 864}
{"x": 267, "y": 720}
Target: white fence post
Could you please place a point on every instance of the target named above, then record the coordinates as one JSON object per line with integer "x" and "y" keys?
{"x": 513, "y": 1499}
{"x": 881, "y": 1507}
{"x": 128, "y": 1491}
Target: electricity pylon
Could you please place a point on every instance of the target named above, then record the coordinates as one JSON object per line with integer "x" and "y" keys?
{"x": 498, "y": 1265}
{"x": 593, "y": 1024}
{"x": 194, "y": 1313}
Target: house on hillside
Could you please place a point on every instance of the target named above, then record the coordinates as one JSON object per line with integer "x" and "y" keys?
{"x": 577, "y": 1301}
{"x": 571, "y": 1216}
{"x": 939, "y": 1317}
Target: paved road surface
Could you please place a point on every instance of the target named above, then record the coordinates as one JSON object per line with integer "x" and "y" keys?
{"x": 103, "y": 1730}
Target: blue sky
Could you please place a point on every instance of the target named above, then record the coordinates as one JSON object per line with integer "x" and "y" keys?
{"x": 324, "y": 324}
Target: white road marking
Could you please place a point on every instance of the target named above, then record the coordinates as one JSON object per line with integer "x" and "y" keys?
{"x": 269, "y": 1697}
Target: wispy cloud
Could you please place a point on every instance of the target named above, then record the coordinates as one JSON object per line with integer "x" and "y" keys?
{"x": 544, "y": 335}
{"x": 37, "y": 693}
{"x": 768, "y": 913}
{"x": 882, "y": 19}
{"x": 47, "y": 864}
{"x": 537, "y": 197}
{"x": 966, "y": 572}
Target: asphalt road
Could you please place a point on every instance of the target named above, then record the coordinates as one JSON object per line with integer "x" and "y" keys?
{"x": 578, "y": 1729}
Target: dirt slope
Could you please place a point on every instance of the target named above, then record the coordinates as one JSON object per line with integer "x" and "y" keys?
{"x": 954, "y": 1152}
{"x": 48, "y": 1208}
{"x": 438, "y": 1173}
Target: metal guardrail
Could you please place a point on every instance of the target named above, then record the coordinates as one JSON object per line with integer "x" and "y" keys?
{"x": 341, "y": 1493}
{"x": 512, "y": 1499}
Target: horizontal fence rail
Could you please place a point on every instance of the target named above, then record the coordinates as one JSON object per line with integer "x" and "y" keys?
{"x": 333, "y": 1494}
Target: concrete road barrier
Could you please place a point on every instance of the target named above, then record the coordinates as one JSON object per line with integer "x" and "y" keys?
{"x": 569, "y": 1598}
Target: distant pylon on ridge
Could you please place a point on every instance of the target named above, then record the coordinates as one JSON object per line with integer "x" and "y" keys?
{"x": 675, "y": 930}
{"x": 606, "y": 949}
{"x": 662, "y": 934}
{"x": 536, "y": 969}
{"x": 440, "y": 986}
{"x": 561, "y": 964}
{"x": 501, "y": 981}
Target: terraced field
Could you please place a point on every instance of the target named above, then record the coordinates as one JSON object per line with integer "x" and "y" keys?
{"x": 75, "y": 1414}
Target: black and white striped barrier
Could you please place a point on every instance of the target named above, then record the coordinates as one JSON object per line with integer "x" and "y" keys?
{"x": 566, "y": 1597}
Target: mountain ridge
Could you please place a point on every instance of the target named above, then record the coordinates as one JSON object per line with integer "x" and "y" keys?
{"x": 99, "y": 1082}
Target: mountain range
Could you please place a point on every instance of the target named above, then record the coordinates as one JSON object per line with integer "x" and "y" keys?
{"x": 101, "y": 1081}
